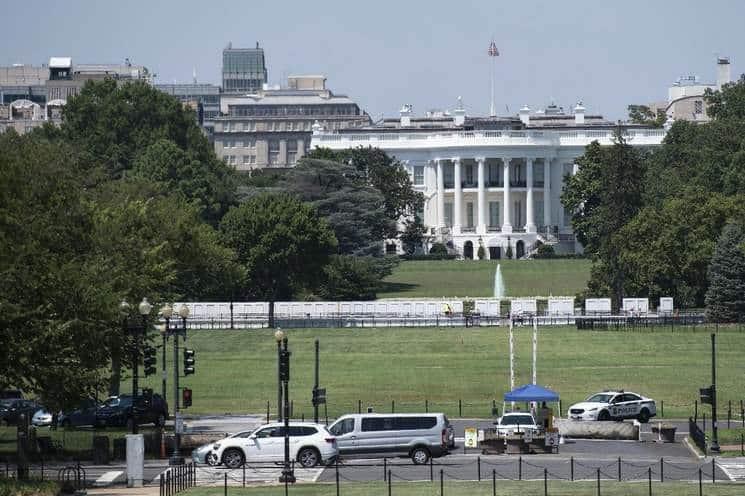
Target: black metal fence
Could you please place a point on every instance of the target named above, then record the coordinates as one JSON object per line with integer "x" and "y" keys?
{"x": 697, "y": 435}
{"x": 483, "y": 470}
{"x": 177, "y": 479}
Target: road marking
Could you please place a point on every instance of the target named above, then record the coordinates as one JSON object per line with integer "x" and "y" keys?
{"x": 734, "y": 471}
{"x": 108, "y": 478}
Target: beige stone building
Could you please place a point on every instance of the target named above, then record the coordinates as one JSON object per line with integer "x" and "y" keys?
{"x": 272, "y": 127}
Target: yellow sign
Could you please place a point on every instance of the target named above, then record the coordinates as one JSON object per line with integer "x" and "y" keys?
{"x": 471, "y": 437}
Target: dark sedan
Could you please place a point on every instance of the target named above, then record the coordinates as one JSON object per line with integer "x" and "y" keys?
{"x": 121, "y": 412}
{"x": 84, "y": 415}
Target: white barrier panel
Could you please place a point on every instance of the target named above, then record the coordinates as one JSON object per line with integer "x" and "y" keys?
{"x": 666, "y": 305}
{"x": 561, "y": 306}
{"x": 636, "y": 305}
{"x": 594, "y": 306}
{"x": 526, "y": 305}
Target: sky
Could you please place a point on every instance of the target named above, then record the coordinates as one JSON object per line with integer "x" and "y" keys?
{"x": 384, "y": 54}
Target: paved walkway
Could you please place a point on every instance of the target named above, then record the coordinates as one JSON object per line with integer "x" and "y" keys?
{"x": 127, "y": 491}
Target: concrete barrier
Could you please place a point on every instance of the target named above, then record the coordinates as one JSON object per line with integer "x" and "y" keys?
{"x": 596, "y": 429}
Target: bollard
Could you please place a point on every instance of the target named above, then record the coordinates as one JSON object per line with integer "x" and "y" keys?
{"x": 442, "y": 484}
{"x": 571, "y": 469}
{"x": 226, "y": 484}
{"x": 649, "y": 480}
{"x": 478, "y": 466}
{"x": 494, "y": 482}
{"x": 336, "y": 468}
{"x": 619, "y": 469}
{"x": 545, "y": 482}
{"x": 460, "y": 408}
{"x": 385, "y": 468}
{"x": 713, "y": 470}
{"x": 700, "y": 482}
{"x": 598, "y": 482}
{"x": 662, "y": 471}
{"x": 520, "y": 468}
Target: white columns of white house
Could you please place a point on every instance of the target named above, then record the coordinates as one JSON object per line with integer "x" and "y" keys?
{"x": 440, "y": 195}
{"x": 481, "y": 198}
{"x": 458, "y": 196}
{"x": 506, "y": 225}
{"x": 546, "y": 191}
{"x": 530, "y": 225}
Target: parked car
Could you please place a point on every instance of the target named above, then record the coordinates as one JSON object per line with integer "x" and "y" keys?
{"x": 84, "y": 415}
{"x": 120, "y": 411}
{"x": 310, "y": 444}
{"x": 42, "y": 418}
{"x": 204, "y": 454}
{"x": 10, "y": 394}
{"x": 419, "y": 436}
{"x": 512, "y": 422}
{"x": 11, "y": 409}
{"x": 614, "y": 405}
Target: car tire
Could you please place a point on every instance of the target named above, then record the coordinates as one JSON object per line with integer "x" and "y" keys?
{"x": 308, "y": 457}
{"x": 419, "y": 455}
{"x": 211, "y": 459}
{"x": 233, "y": 458}
{"x": 643, "y": 416}
{"x": 604, "y": 416}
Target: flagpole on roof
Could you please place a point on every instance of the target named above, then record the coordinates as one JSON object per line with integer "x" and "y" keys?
{"x": 493, "y": 53}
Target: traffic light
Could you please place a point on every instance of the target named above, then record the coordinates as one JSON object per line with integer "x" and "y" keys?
{"x": 319, "y": 396}
{"x": 149, "y": 360}
{"x": 284, "y": 365}
{"x": 707, "y": 395}
{"x": 185, "y": 398}
{"x": 188, "y": 361}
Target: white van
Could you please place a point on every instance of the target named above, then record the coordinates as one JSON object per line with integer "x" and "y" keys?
{"x": 418, "y": 435}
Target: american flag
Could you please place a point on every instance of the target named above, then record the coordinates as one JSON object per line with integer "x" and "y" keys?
{"x": 493, "y": 52}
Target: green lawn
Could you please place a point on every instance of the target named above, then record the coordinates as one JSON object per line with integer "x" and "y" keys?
{"x": 462, "y": 278}
{"x": 237, "y": 370}
{"x": 484, "y": 488}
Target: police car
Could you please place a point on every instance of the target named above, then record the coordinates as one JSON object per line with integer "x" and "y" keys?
{"x": 614, "y": 405}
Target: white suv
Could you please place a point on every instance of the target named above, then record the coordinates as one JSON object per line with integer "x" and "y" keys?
{"x": 310, "y": 444}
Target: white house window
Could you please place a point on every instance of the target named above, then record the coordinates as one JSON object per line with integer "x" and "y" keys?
{"x": 246, "y": 159}
{"x": 418, "y": 175}
{"x": 273, "y": 152}
{"x": 698, "y": 107}
{"x": 469, "y": 175}
{"x": 494, "y": 214}
{"x": 469, "y": 214}
{"x": 239, "y": 144}
{"x": 238, "y": 126}
{"x": 291, "y": 152}
{"x": 449, "y": 214}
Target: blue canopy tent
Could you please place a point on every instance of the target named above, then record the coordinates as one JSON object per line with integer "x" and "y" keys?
{"x": 531, "y": 392}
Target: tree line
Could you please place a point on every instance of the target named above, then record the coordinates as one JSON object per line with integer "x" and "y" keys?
{"x": 126, "y": 199}
{"x": 669, "y": 221}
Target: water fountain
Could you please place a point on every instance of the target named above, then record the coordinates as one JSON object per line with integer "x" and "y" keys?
{"x": 499, "y": 289}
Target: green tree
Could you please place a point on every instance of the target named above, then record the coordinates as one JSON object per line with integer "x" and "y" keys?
{"x": 414, "y": 236}
{"x": 52, "y": 307}
{"x": 282, "y": 243}
{"x": 353, "y": 278}
{"x": 604, "y": 195}
{"x": 384, "y": 173}
{"x": 112, "y": 124}
{"x": 339, "y": 193}
{"x": 725, "y": 298}
{"x": 727, "y": 103}
{"x": 642, "y": 114}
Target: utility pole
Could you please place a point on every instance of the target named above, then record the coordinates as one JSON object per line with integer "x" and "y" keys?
{"x": 315, "y": 388}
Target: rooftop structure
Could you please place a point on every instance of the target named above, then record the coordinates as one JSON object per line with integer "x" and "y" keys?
{"x": 243, "y": 69}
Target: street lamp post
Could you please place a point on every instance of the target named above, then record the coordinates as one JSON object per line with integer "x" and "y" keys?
{"x": 138, "y": 332}
{"x": 176, "y": 458}
{"x": 166, "y": 312}
{"x": 288, "y": 475}
{"x": 278, "y": 336}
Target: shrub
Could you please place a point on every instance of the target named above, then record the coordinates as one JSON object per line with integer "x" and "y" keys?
{"x": 481, "y": 252}
{"x": 508, "y": 252}
{"x": 438, "y": 249}
{"x": 545, "y": 251}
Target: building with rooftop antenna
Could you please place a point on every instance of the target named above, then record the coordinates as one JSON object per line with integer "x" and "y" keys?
{"x": 243, "y": 69}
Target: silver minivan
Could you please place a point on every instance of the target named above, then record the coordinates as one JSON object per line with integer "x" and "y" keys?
{"x": 418, "y": 435}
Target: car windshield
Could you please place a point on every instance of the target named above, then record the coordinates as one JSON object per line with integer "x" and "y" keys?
{"x": 516, "y": 420}
{"x": 600, "y": 398}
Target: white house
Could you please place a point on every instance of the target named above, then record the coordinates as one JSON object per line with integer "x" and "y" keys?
{"x": 491, "y": 180}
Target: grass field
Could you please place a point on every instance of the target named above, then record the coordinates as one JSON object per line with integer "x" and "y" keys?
{"x": 462, "y": 278}
{"x": 237, "y": 370}
{"x": 485, "y": 488}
